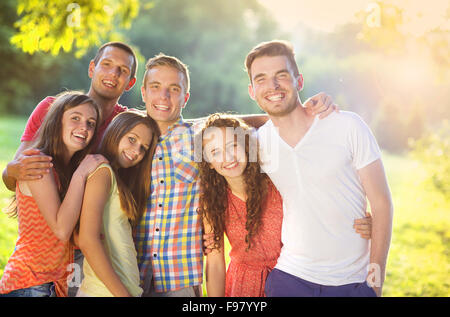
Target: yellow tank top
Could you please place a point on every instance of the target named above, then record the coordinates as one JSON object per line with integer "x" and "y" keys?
{"x": 119, "y": 245}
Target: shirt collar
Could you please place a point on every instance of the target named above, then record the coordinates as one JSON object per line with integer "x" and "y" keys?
{"x": 180, "y": 123}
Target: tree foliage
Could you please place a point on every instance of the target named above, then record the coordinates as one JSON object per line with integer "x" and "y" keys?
{"x": 54, "y": 25}
{"x": 22, "y": 76}
{"x": 212, "y": 38}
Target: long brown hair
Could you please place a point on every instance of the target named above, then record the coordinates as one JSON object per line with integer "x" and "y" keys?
{"x": 49, "y": 139}
{"x": 213, "y": 201}
{"x": 134, "y": 182}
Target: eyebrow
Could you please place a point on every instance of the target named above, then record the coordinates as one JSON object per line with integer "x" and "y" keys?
{"x": 258, "y": 76}
{"x": 226, "y": 144}
{"x": 138, "y": 137}
{"x": 110, "y": 60}
{"x": 216, "y": 149}
{"x": 284, "y": 70}
{"x": 171, "y": 85}
{"x": 79, "y": 113}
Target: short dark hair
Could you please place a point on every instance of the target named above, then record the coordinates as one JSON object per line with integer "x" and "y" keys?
{"x": 271, "y": 48}
{"x": 122, "y": 46}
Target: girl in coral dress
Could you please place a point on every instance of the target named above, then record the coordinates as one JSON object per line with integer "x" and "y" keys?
{"x": 48, "y": 208}
{"x": 250, "y": 215}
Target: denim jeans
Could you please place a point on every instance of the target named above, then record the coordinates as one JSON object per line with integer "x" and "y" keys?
{"x": 75, "y": 284}
{"x": 44, "y": 290}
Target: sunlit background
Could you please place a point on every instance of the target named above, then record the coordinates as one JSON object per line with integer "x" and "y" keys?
{"x": 387, "y": 60}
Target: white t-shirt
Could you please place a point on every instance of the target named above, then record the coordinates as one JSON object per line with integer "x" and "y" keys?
{"x": 322, "y": 196}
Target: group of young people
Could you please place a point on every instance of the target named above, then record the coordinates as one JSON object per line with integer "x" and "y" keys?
{"x": 123, "y": 192}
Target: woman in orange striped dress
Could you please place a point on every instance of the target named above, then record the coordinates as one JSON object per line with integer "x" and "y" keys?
{"x": 238, "y": 199}
{"x": 48, "y": 208}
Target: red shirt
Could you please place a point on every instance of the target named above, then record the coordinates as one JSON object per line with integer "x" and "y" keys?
{"x": 38, "y": 115}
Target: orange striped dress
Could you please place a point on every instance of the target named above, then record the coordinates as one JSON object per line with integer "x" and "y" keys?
{"x": 39, "y": 256}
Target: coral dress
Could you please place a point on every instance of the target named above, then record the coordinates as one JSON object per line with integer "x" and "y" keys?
{"x": 39, "y": 256}
{"x": 248, "y": 270}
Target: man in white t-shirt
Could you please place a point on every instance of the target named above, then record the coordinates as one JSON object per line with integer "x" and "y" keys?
{"x": 324, "y": 169}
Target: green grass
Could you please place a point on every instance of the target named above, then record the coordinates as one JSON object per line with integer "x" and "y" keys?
{"x": 419, "y": 258}
{"x": 11, "y": 129}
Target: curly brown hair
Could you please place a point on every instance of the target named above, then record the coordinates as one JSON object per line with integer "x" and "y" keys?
{"x": 213, "y": 202}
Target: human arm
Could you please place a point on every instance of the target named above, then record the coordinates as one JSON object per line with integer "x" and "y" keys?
{"x": 62, "y": 217}
{"x": 375, "y": 185}
{"x": 98, "y": 189}
{"x": 320, "y": 104}
{"x": 215, "y": 267}
{"x": 27, "y": 164}
{"x": 209, "y": 243}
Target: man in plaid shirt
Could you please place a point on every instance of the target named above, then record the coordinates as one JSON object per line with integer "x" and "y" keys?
{"x": 169, "y": 235}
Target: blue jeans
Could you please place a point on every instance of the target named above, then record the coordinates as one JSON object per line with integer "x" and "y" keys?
{"x": 282, "y": 284}
{"x": 44, "y": 290}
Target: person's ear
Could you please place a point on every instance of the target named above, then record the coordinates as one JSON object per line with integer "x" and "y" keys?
{"x": 299, "y": 82}
{"x": 143, "y": 94}
{"x": 186, "y": 98}
{"x": 251, "y": 91}
{"x": 91, "y": 69}
{"x": 130, "y": 84}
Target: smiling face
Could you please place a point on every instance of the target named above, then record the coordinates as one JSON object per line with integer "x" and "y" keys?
{"x": 78, "y": 126}
{"x": 164, "y": 95}
{"x": 274, "y": 85}
{"x": 133, "y": 146}
{"x": 224, "y": 153}
{"x": 111, "y": 75}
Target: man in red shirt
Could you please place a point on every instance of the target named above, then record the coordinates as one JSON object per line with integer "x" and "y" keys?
{"x": 112, "y": 71}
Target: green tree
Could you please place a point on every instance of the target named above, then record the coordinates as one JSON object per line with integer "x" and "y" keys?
{"x": 49, "y": 26}
{"x": 213, "y": 38}
{"x": 22, "y": 76}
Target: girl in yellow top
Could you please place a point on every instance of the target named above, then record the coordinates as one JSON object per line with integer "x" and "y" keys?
{"x": 115, "y": 198}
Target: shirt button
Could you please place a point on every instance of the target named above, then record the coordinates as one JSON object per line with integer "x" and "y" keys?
{"x": 160, "y": 205}
{"x": 155, "y": 255}
{"x": 161, "y": 181}
{"x": 160, "y": 158}
{"x": 157, "y": 229}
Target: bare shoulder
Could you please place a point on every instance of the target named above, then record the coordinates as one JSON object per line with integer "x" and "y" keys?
{"x": 101, "y": 177}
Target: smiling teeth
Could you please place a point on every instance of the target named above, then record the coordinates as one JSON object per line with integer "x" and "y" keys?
{"x": 232, "y": 165}
{"x": 162, "y": 107}
{"x": 79, "y": 136}
{"x": 275, "y": 97}
{"x": 109, "y": 83}
{"x": 128, "y": 157}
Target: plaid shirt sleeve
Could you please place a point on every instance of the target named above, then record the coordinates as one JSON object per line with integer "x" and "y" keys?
{"x": 168, "y": 237}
